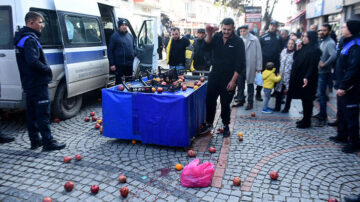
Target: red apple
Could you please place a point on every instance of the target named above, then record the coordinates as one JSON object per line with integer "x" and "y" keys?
{"x": 184, "y": 88}
{"x": 69, "y": 185}
{"x": 120, "y": 87}
{"x": 237, "y": 181}
{"x": 78, "y": 157}
{"x": 159, "y": 90}
{"x": 92, "y": 113}
{"x": 274, "y": 175}
{"x": 97, "y": 126}
{"x": 195, "y": 83}
{"x": 47, "y": 199}
{"x": 202, "y": 79}
{"x": 163, "y": 83}
{"x": 124, "y": 191}
{"x": 253, "y": 114}
{"x": 67, "y": 159}
{"x": 332, "y": 200}
{"x": 94, "y": 118}
{"x": 212, "y": 150}
{"x": 122, "y": 178}
{"x": 209, "y": 28}
{"x": 94, "y": 189}
{"x": 87, "y": 119}
{"x": 57, "y": 120}
{"x": 191, "y": 153}
{"x": 199, "y": 83}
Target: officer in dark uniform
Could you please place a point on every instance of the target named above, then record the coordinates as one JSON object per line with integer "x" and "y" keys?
{"x": 348, "y": 85}
{"x": 35, "y": 75}
{"x": 271, "y": 46}
{"x": 202, "y": 60}
{"x": 228, "y": 62}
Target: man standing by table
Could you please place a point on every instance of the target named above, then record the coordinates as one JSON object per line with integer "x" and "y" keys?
{"x": 121, "y": 52}
{"x": 228, "y": 62}
{"x": 175, "y": 51}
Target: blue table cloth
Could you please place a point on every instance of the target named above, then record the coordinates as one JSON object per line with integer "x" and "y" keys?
{"x": 170, "y": 119}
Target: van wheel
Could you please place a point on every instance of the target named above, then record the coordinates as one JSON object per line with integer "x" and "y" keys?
{"x": 63, "y": 107}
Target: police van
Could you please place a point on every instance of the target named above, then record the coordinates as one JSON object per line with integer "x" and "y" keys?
{"x": 75, "y": 40}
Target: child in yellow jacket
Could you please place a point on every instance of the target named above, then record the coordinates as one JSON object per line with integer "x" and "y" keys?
{"x": 269, "y": 79}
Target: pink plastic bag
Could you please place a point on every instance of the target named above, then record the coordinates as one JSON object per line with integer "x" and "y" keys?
{"x": 195, "y": 175}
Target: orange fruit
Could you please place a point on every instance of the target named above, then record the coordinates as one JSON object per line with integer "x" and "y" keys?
{"x": 100, "y": 121}
{"x": 133, "y": 141}
{"x": 240, "y": 134}
{"x": 178, "y": 167}
{"x": 196, "y": 87}
{"x": 153, "y": 90}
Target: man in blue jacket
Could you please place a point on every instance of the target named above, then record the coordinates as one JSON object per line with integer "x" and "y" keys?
{"x": 121, "y": 52}
{"x": 35, "y": 75}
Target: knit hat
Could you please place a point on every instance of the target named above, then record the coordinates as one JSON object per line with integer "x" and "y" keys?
{"x": 353, "y": 26}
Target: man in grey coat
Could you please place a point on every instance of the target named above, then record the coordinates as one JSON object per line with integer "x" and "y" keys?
{"x": 253, "y": 64}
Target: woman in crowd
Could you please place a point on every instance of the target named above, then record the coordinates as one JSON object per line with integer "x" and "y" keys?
{"x": 304, "y": 75}
{"x": 286, "y": 62}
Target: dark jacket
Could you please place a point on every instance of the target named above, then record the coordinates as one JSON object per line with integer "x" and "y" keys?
{"x": 33, "y": 67}
{"x": 202, "y": 57}
{"x": 271, "y": 46}
{"x": 121, "y": 49}
{"x": 226, "y": 58}
{"x": 348, "y": 68}
{"x": 305, "y": 65}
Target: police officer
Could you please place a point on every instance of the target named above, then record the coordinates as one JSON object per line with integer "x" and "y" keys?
{"x": 228, "y": 62}
{"x": 202, "y": 60}
{"x": 35, "y": 75}
{"x": 271, "y": 46}
{"x": 348, "y": 84}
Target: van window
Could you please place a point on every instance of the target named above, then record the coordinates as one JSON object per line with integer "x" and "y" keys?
{"x": 146, "y": 33}
{"x": 82, "y": 30}
{"x": 6, "y": 39}
{"x": 50, "y": 35}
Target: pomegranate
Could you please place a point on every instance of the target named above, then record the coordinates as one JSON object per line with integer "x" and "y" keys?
{"x": 163, "y": 83}
{"x": 92, "y": 113}
{"x": 69, "y": 185}
{"x": 94, "y": 189}
{"x": 57, "y": 120}
{"x": 122, "y": 178}
{"x": 94, "y": 118}
{"x": 332, "y": 200}
{"x": 212, "y": 150}
{"x": 120, "y": 88}
{"x": 209, "y": 28}
{"x": 202, "y": 79}
{"x": 78, "y": 157}
{"x": 191, "y": 153}
{"x": 159, "y": 90}
{"x": 87, "y": 119}
{"x": 184, "y": 88}
{"x": 124, "y": 191}
{"x": 97, "y": 126}
{"x": 67, "y": 159}
{"x": 274, "y": 175}
{"x": 253, "y": 114}
{"x": 47, "y": 199}
{"x": 237, "y": 181}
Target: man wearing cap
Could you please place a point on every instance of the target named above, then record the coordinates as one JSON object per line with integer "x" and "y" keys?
{"x": 348, "y": 84}
{"x": 271, "y": 45}
{"x": 253, "y": 65}
{"x": 121, "y": 52}
{"x": 202, "y": 60}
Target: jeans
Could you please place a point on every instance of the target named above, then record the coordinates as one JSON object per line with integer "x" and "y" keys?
{"x": 241, "y": 88}
{"x": 322, "y": 88}
{"x": 177, "y": 67}
{"x": 38, "y": 114}
{"x": 267, "y": 93}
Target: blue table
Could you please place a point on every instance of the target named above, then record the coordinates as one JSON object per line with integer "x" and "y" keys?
{"x": 170, "y": 119}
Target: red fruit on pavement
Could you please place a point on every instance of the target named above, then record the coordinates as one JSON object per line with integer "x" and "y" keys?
{"x": 237, "y": 181}
{"x": 94, "y": 189}
{"x": 122, "y": 178}
{"x": 67, "y": 159}
{"x": 57, "y": 120}
{"x": 94, "y": 118}
{"x": 212, "y": 150}
{"x": 87, "y": 119}
{"x": 97, "y": 126}
{"x": 69, "y": 185}
{"x": 191, "y": 153}
{"x": 47, "y": 199}
{"x": 332, "y": 200}
{"x": 78, "y": 157}
{"x": 92, "y": 113}
{"x": 124, "y": 191}
{"x": 274, "y": 175}
{"x": 253, "y": 114}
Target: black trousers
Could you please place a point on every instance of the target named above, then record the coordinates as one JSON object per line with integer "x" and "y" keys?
{"x": 279, "y": 96}
{"x": 122, "y": 71}
{"x": 160, "y": 54}
{"x": 38, "y": 114}
{"x": 348, "y": 118}
{"x": 307, "y": 105}
{"x": 216, "y": 88}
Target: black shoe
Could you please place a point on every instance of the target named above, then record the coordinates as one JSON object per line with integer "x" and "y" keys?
{"x": 6, "y": 138}
{"x": 303, "y": 125}
{"x": 320, "y": 123}
{"x": 206, "y": 128}
{"x": 226, "y": 132}
{"x": 36, "y": 144}
{"x": 353, "y": 198}
{"x": 54, "y": 145}
{"x": 285, "y": 111}
{"x": 351, "y": 148}
{"x": 338, "y": 139}
{"x": 258, "y": 98}
{"x": 238, "y": 104}
{"x": 335, "y": 123}
{"x": 249, "y": 106}
{"x": 317, "y": 116}
{"x": 276, "y": 109}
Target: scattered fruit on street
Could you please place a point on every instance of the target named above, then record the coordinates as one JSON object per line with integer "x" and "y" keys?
{"x": 97, "y": 126}
{"x": 274, "y": 175}
{"x": 78, "y": 157}
{"x": 67, "y": 159}
{"x": 47, "y": 199}
{"x": 122, "y": 178}
{"x": 178, "y": 167}
{"x": 94, "y": 118}
{"x": 237, "y": 181}
{"x": 57, "y": 120}
{"x": 191, "y": 153}
{"x": 241, "y": 138}
{"x": 92, "y": 113}
{"x": 87, "y": 119}
{"x": 94, "y": 189}
{"x": 332, "y": 200}
{"x": 240, "y": 134}
{"x": 212, "y": 150}
{"x": 253, "y": 114}
{"x": 69, "y": 186}
{"x": 133, "y": 141}
{"x": 124, "y": 191}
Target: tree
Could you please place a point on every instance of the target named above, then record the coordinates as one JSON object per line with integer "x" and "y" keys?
{"x": 268, "y": 12}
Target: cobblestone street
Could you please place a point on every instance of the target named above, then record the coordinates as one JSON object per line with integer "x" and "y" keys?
{"x": 310, "y": 167}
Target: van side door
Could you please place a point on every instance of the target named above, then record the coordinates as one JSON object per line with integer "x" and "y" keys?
{"x": 85, "y": 56}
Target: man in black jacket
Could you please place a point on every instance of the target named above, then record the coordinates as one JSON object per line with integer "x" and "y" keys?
{"x": 201, "y": 56}
{"x": 271, "y": 46}
{"x": 348, "y": 84}
{"x": 121, "y": 52}
{"x": 35, "y": 75}
{"x": 228, "y": 62}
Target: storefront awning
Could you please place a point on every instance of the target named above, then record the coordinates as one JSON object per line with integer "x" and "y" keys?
{"x": 297, "y": 16}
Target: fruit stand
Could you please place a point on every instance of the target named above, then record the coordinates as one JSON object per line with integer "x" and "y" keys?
{"x": 161, "y": 118}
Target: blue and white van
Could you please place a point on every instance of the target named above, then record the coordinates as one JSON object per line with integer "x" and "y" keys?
{"x": 75, "y": 40}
